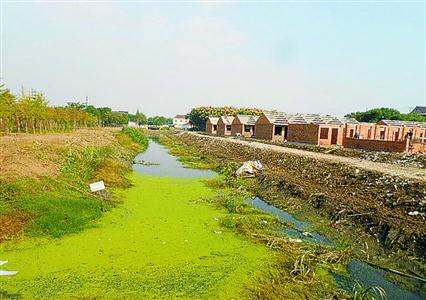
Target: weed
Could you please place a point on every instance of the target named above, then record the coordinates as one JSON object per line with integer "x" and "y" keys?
{"x": 370, "y": 293}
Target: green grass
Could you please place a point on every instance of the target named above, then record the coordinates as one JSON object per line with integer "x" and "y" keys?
{"x": 136, "y": 135}
{"x": 160, "y": 243}
{"x": 62, "y": 205}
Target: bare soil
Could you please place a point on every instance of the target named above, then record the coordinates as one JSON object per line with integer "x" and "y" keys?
{"x": 12, "y": 224}
{"x": 32, "y": 155}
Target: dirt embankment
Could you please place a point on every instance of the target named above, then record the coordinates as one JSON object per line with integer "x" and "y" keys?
{"x": 388, "y": 206}
{"x": 31, "y": 155}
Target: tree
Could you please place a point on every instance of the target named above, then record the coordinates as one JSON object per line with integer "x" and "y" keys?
{"x": 7, "y": 109}
{"x": 140, "y": 118}
{"x": 377, "y": 114}
{"x": 159, "y": 121}
{"x": 199, "y": 115}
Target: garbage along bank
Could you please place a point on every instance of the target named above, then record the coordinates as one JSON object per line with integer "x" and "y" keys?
{"x": 390, "y": 209}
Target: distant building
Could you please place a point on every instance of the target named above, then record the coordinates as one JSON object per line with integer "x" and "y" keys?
{"x": 244, "y": 125}
{"x": 132, "y": 124}
{"x": 181, "y": 121}
{"x": 121, "y": 112}
{"x": 421, "y": 110}
{"x": 224, "y": 125}
{"x": 272, "y": 125}
{"x": 387, "y": 135}
{"x": 211, "y": 125}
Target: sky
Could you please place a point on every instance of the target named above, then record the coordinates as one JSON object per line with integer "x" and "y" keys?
{"x": 165, "y": 58}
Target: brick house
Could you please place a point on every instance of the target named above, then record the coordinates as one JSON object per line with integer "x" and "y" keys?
{"x": 244, "y": 125}
{"x": 387, "y": 135}
{"x": 272, "y": 125}
{"x": 211, "y": 125}
{"x": 224, "y": 125}
{"x": 421, "y": 110}
{"x": 316, "y": 129}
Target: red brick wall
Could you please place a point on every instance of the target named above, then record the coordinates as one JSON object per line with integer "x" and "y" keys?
{"x": 340, "y": 134}
{"x": 417, "y": 147}
{"x": 375, "y": 145}
{"x": 238, "y": 128}
{"x": 209, "y": 128}
{"x": 264, "y": 129}
{"x": 303, "y": 133}
{"x": 221, "y": 128}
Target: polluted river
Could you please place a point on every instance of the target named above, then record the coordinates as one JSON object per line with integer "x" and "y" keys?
{"x": 163, "y": 243}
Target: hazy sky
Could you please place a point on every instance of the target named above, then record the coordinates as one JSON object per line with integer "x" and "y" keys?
{"x": 165, "y": 58}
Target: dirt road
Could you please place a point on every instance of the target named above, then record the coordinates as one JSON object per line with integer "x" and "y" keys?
{"x": 387, "y": 169}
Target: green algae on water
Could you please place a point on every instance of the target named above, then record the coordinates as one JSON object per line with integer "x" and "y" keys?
{"x": 158, "y": 243}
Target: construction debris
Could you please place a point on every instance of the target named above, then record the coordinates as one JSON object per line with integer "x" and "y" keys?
{"x": 250, "y": 167}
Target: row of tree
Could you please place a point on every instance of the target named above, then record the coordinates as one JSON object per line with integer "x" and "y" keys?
{"x": 377, "y": 114}
{"x": 199, "y": 115}
{"x": 30, "y": 112}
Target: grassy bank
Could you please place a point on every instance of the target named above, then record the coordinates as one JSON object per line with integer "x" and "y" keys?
{"x": 57, "y": 205}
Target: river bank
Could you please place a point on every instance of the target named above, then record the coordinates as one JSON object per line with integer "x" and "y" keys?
{"x": 290, "y": 197}
{"x": 160, "y": 241}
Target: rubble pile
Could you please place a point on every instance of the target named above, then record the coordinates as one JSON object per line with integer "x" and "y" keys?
{"x": 391, "y": 208}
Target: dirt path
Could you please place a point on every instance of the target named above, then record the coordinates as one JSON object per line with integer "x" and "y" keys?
{"x": 387, "y": 169}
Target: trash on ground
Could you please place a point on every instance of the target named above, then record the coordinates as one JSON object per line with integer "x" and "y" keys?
{"x": 291, "y": 240}
{"x": 250, "y": 167}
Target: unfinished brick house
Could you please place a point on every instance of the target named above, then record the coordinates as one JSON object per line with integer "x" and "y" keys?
{"x": 244, "y": 125}
{"x": 211, "y": 125}
{"x": 387, "y": 135}
{"x": 272, "y": 125}
{"x": 224, "y": 125}
{"x": 316, "y": 129}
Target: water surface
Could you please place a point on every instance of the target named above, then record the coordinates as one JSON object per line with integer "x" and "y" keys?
{"x": 301, "y": 230}
{"x": 396, "y": 287}
{"x": 166, "y": 164}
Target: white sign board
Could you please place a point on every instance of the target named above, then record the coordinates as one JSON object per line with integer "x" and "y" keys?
{"x": 97, "y": 186}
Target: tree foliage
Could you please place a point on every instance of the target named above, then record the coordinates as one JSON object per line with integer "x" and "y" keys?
{"x": 199, "y": 115}
{"x": 159, "y": 121}
{"x": 377, "y": 114}
{"x": 30, "y": 112}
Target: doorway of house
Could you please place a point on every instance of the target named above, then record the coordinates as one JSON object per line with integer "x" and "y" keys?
{"x": 334, "y": 133}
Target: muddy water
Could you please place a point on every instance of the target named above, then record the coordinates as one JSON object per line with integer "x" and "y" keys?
{"x": 396, "y": 287}
{"x": 164, "y": 164}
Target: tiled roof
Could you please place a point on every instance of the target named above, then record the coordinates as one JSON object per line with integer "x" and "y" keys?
{"x": 213, "y": 120}
{"x": 227, "y": 120}
{"x": 248, "y": 119}
{"x": 419, "y": 110}
{"x": 179, "y": 117}
{"x": 403, "y": 123}
{"x": 280, "y": 118}
{"x": 277, "y": 118}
